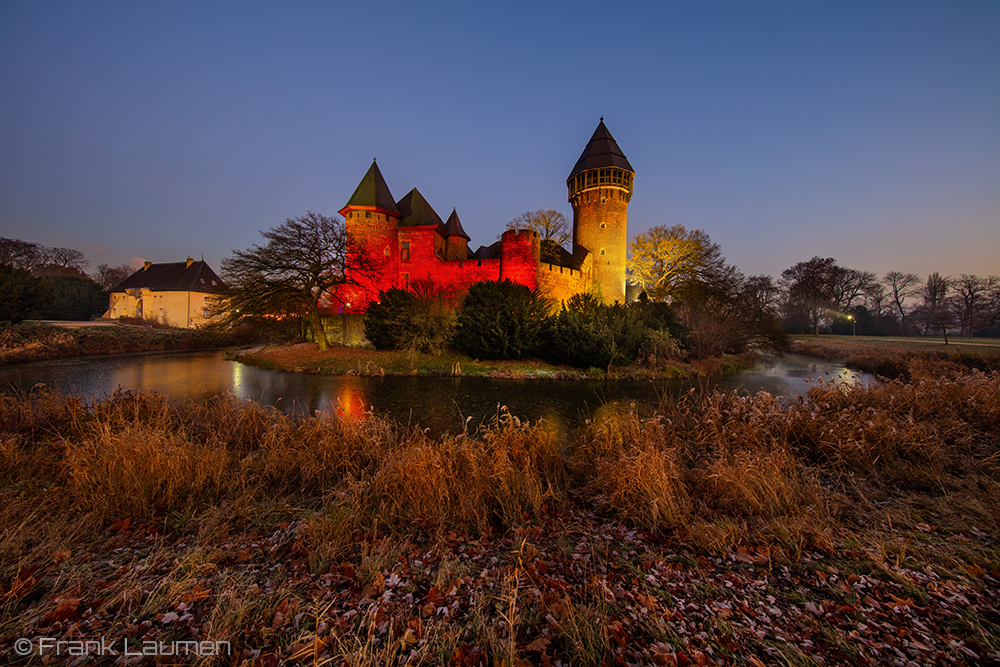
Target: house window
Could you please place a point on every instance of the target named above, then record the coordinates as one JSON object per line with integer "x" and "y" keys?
{"x": 404, "y": 251}
{"x": 204, "y": 312}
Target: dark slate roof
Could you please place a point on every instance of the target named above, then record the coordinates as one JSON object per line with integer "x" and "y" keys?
{"x": 173, "y": 277}
{"x": 489, "y": 251}
{"x": 454, "y": 226}
{"x": 373, "y": 192}
{"x": 565, "y": 258}
{"x": 414, "y": 211}
{"x": 602, "y": 151}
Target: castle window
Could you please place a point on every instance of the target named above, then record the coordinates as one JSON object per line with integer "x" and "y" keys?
{"x": 603, "y": 252}
{"x": 386, "y": 252}
{"x": 406, "y": 280}
{"x": 404, "y": 252}
{"x": 604, "y": 225}
{"x": 368, "y": 214}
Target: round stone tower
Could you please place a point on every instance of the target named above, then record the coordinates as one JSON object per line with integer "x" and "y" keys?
{"x": 600, "y": 187}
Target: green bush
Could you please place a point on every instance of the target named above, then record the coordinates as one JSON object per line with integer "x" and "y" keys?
{"x": 588, "y": 333}
{"x": 387, "y": 321}
{"x": 73, "y": 298}
{"x": 500, "y": 320}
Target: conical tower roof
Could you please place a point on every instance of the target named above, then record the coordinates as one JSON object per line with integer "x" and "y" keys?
{"x": 601, "y": 151}
{"x": 414, "y": 211}
{"x": 454, "y": 226}
{"x": 372, "y": 192}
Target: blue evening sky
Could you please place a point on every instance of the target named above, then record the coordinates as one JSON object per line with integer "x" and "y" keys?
{"x": 866, "y": 131}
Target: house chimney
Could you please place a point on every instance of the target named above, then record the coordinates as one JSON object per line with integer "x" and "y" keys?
{"x": 146, "y": 265}
{"x": 190, "y": 262}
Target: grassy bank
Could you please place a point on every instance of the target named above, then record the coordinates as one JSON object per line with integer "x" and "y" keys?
{"x": 38, "y": 342}
{"x": 855, "y": 527}
{"x": 307, "y": 358}
{"x": 901, "y": 358}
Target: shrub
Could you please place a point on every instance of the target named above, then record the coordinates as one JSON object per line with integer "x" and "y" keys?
{"x": 588, "y": 333}
{"x": 387, "y": 320}
{"x": 432, "y": 319}
{"x": 421, "y": 321}
{"x": 500, "y": 320}
{"x": 659, "y": 348}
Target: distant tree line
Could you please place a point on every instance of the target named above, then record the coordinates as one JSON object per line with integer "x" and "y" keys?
{"x": 42, "y": 282}
{"x": 675, "y": 265}
{"x": 821, "y": 295}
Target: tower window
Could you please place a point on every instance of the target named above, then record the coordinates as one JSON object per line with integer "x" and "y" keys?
{"x": 604, "y": 225}
{"x": 603, "y": 252}
{"x": 404, "y": 252}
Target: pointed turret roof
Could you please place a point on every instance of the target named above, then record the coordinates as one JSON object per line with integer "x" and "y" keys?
{"x": 454, "y": 226}
{"x": 414, "y": 211}
{"x": 372, "y": 192}
{"x": 601, "y": 151}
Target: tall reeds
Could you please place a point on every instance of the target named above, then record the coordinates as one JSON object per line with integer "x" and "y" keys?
{"x": 744, "y": 457}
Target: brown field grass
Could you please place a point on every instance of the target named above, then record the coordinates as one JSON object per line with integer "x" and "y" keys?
{"x": 332, "y": 541}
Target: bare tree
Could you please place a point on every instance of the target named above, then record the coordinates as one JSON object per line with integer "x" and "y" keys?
{"x": 901, "y": 286}
{"x": 20, "y": 254}
{"x": 876, "y": 298}
{"x": 301, "y": 264}
{"x": 67, "y": 257}
{"x": 934, "y": 309}
{"x": 848, "y": 285}
{"x": 810, "y": 289}
{"x": 552, "y": 227}
{"x": 969, "y": 300}
{"x": 108, "y": 276}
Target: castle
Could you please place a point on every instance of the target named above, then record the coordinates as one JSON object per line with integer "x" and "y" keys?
{"x": 412, "y": 243}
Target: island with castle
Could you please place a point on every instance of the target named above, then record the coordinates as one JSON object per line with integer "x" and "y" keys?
{"x": 413, "y": 243}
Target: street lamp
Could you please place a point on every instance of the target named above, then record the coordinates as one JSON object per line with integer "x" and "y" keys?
{"x": 854, "y": 325}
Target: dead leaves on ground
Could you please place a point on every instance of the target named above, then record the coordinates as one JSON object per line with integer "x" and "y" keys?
{"x": 576, "y": 590}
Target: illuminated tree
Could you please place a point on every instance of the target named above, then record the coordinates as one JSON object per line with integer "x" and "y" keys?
{"x": 552, "y": 228}
{"x": 299, "y": 266}
{"x": 664, "y": 258}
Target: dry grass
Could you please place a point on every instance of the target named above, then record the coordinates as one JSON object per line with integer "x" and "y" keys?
{"x": 778, "y": 478}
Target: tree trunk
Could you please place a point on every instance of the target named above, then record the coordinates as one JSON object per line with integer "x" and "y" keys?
{"x": 319, "y": 333}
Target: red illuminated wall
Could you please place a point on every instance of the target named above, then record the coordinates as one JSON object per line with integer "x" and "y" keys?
{"x": 419, "y": 255}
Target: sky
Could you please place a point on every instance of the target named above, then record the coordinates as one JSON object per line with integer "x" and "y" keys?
{"x": 864, "y": 131}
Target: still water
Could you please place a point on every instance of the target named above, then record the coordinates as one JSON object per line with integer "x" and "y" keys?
{"x": 442, "y": 405}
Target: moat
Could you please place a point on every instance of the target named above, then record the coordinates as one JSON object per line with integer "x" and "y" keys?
{"x": 440, "y": 404}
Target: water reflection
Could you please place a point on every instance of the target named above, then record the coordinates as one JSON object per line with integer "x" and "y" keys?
{"x": 443, "y": 405}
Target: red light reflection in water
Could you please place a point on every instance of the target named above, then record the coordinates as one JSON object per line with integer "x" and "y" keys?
{"x": 351, "y": 402}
